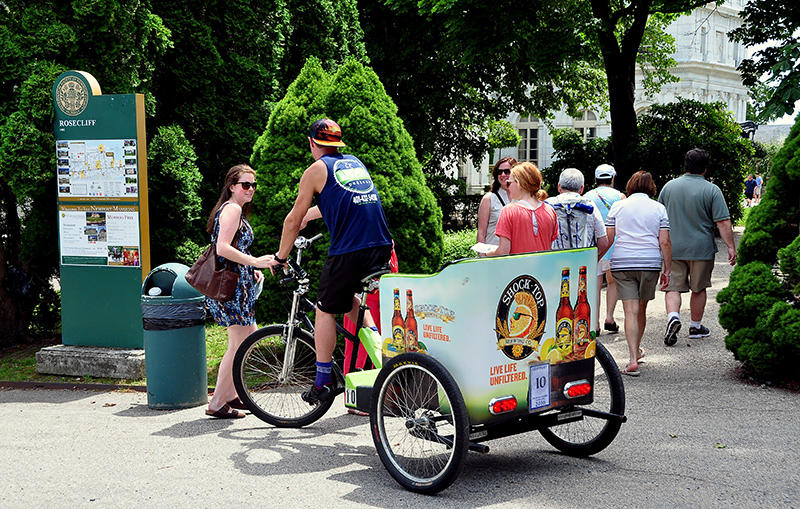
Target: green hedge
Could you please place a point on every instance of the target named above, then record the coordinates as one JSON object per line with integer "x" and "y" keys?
{"x": 759, "y": 307}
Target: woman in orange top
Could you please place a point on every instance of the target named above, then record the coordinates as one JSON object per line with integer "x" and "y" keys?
{"x": 527, "y": 224}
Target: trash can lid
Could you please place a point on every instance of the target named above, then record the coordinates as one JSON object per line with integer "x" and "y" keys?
{"x": 171, "y": 279}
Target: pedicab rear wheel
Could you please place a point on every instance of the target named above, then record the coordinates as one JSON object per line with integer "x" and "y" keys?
{"x": 419, "y": 423}
{"x": 593, "y": 434}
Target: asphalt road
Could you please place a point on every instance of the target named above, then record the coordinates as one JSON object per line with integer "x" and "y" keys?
{"x": 696, "y": 436}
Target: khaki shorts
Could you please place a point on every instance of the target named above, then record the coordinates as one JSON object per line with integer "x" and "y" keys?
{"x": 636, "y": 284}
{"x": 690, "y": 274}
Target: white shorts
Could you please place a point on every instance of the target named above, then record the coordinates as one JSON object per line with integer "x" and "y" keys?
{"x": 603, "y": 266}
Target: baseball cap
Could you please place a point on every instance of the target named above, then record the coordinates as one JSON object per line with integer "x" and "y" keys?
{"x": 326, "y": 132}
{"x": 604, "y": 171}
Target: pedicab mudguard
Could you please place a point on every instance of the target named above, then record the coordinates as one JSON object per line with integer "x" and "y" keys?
{"x": 514, "y": 328}
{"x": 358, "y": 389}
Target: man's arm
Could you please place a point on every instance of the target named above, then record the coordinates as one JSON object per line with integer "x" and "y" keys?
{"x": 312, "y": 181}
{"x": 726, "y": 232}
{"x": 666, "y": 252}
{"x": 600, "y": 235}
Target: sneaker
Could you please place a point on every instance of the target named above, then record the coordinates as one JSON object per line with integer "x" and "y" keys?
{"x": 316, "y": 395}
{"x": 673, "y": 327}
{"x": 699, "y": 332}
{"x": 611, "y": 327}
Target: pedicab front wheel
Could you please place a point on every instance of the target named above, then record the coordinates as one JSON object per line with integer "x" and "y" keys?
{"x": 270, "y": 392}
{"x": 593, "y": 434}
{"x": 419, "y": 423}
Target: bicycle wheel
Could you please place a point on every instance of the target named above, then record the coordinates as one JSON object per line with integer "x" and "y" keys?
{"x": 259, "y": 383}
{"x": 593, "y": 434}
{"x": 419, "y": 423}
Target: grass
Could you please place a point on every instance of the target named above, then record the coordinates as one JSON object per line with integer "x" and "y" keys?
{"x": 18, "y": 363}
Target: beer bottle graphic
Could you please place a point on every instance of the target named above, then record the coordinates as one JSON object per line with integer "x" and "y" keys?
{"x": 583, "y": 316}
{"x": 398, "y": 325}
{"x": 411, "y": 324}
{"x": 564, "y": 318}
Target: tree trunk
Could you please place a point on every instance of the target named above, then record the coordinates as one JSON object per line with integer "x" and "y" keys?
{"x": 620, "y": 63}
{"x": 12, "y": 317}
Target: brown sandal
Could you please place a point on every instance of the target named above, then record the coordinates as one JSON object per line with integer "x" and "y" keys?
{"x": 237, "y": 404}
{"x": 226, "y": 412}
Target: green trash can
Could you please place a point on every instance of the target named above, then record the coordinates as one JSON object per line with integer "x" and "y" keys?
{"x": 173, "y": 318}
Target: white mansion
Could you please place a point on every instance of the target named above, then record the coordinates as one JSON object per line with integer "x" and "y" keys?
{"x": 706, "y": 65}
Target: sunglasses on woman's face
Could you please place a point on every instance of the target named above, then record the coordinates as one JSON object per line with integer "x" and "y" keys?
{"x": 504, "y": 171}
{"x": 247, "y": 185}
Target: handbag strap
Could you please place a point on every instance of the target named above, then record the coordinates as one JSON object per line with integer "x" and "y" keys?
{"x": 230, "y": 264}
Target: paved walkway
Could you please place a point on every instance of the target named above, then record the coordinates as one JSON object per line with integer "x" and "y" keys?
{"x": 695, "y": 437}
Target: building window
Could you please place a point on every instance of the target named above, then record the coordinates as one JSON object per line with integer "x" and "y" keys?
{"x": 586, "y": 124}
{"x": 528, "y": 149}
{"x": 704, "y": 42}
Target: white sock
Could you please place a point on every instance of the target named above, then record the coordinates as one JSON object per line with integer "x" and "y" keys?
{"x": 696, "y": 325}
{"x": 675, "y": 314}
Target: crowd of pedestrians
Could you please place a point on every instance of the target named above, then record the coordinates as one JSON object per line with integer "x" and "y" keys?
{"x": 643, "y": 242}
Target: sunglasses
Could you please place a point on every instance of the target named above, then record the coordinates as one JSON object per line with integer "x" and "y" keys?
{"x": 505, "y": 171}
{"x": 247, "y": 185}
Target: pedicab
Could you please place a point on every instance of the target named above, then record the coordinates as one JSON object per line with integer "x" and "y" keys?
{"x": 488, "y": 348}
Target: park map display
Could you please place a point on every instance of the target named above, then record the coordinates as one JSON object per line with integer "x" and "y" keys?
{"x": 97, "y": 169}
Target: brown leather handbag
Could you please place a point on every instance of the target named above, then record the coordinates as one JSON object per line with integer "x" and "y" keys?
{"x": 214, "y": 279}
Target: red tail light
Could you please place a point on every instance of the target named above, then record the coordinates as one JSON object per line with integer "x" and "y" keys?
{"x": 502, "y": 405}
{"x": 577, "y": 388}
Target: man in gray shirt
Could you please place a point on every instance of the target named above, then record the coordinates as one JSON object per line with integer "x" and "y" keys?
{"x": 693, "y": 205}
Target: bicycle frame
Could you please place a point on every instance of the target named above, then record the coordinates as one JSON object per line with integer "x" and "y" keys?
{"x": 297, "y": 317}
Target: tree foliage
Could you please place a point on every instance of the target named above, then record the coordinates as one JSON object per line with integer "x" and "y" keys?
{"x": 668, "y": 131}
{"x": 767, "y": 21}
{"x": 175, "y": 210}
{"x": 570, "y": 151}
{"x": 118, "y": 42}
{"x": 551, "y": 53}
{"x": 356, "y": 99}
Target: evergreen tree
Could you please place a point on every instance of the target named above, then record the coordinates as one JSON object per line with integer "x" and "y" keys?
{"x": 355, "y": 98}
{"x": 175, "y": 210}
{"x": 759, "y": 308}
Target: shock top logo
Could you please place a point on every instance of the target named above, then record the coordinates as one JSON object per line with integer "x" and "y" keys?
{"x": 72, "y": 96}
{"x": 520, "y": 318}
{"x": 352, "y": 176}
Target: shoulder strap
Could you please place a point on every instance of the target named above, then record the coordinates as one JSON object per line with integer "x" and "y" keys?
{"x": 501, "y": 199}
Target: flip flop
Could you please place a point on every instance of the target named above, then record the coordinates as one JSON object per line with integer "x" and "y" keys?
{"x": 226, "y": 412}
{"x": 629, "y": 372}
{"x": 642, "y": 353}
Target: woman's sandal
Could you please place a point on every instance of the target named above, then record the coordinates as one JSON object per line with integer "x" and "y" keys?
{"x": 237, "y": 404}
{"x": 226, "y": 412}
{"x": 630, "y": 372}
{"x": 642, "y": 353}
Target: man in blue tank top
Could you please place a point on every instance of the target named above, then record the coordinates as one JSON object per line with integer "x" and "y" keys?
{"x": 348, "y": 203}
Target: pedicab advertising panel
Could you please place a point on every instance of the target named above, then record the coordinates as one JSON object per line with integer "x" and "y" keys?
{"x": 517, "y": 326}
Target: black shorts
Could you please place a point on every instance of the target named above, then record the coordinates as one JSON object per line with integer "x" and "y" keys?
{"x": 342, "y": 274}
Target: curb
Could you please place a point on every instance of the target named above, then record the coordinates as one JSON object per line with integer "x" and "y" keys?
{"x": 77, "y": 387}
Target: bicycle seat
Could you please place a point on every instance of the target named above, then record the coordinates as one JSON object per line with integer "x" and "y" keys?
{"x": 370, "y": 281}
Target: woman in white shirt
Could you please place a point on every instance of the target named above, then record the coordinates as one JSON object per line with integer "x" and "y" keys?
{"x": 494, "y": 201}
{"x": 641, "y": 228}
